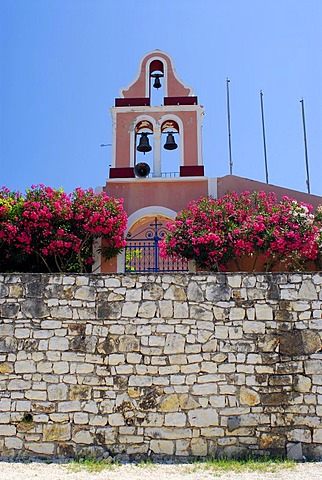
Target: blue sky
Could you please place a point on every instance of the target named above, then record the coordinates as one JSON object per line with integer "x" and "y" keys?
{"x": 64, "y": 61}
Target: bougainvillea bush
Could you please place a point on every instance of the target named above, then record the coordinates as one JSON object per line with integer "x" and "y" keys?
{"x": 214, "y": 232}
{"x": 50, "y": 230}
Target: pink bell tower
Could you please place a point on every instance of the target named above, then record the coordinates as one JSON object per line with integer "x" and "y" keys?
{"x": 143, "y": 133}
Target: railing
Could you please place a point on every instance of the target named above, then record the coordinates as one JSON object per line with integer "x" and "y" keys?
{"x": 164, "y": 175}
{"x": 142, "y": 253}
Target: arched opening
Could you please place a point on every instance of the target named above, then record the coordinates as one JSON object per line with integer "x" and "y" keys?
{"x": 144, "y": 143}
{"x": 156, "y": 83}
{"x": 142, "y": 251}
{"x": 171, "y": 149}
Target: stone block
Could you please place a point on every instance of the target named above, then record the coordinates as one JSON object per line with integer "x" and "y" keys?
{"x": 181, "y": 310}
{"x": 174, "y": 292}
{"x": 85, "y": 293}
{"x": 112, "y": 282}
{"x": 278, "y": 398}
{"x": 40, "y": 448}
{"x": 62, "y": 312}
{"x": 35, "y": 308}
{"x": 221, "y": 332}
{"x": 212, "y": 432}
{"x": 116, "y": 419}
{"x": 233, "y": 423}
{"x": 6, "y": 368}
{"x": 130, "y": 309}
{"x": 147, "y": 309}
{"x": 116, "y": 359}
{"x": 199, "y": 447}
{"x": 25, "y": 366}
{"x": 59, "y": 417}
{"x": 237, "y": 313}
{"x": 133, "y": 295}
{"x": 210, "y": 346}
{"x": 175, "y": 343}
{"x": 109, "y": 310}
{"x": 8, "y": 344}
{"x": 249, "y": 397}
{"x": 299, "y": 342}
{"x": 69, "y": 406}
{"x": 8, "y": 430}
{"x": 6, "y": 329}
{"x": 317, "y": 435}
{"x": 58, "y": 343}
{"x": 280, "y": 380}
{"x": 313, "y": 366}
{"x": 176, "y": 419}
{"x": 57, "y": 392}
{"x": 152, "y": 292}
{"x": 299, "y": 435}
{"x": 294, "y": 451}
{"x": 5, "y": 404}
{"x": 38, "y": 395}
{"x": 203, "y": 418}
{"x": 272, "y": 441}
{"x": 194, "y": 292}
{"x": 204, "y": 389}
{"x": 170, "y": 403}
{"x": 18, "y": 384}
{"x": 81, "y": 418}
{"x": 98, "y": 421}
{"x": 308, "y": 291}
{"x": 164, "y": 447}
{"x": 83, "y": 436}
{"x": 56, "y": 432}
{"x": 129, "y": 343}
{"x": 253, "y": 327}
{"x": 263, "y": 312}
{"x": 166, "y": 308}
{"x": 187, "y": 402}
{"x": 13, "y": 443}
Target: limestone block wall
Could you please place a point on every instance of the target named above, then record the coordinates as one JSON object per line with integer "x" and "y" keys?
{"x": 183, "y": 365}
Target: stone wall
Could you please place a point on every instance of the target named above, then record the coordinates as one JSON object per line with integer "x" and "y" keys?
{"x": 193, "y": 364}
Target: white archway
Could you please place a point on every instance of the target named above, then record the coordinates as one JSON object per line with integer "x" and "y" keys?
{"x": 152, "y": 211}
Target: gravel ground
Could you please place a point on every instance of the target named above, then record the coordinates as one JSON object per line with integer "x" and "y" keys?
{"x": 42, "y": 471}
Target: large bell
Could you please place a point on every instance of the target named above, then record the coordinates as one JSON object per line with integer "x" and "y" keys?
{"x": 142, "y": 169}
{"x": 170, "y": 143}
{"x": 144, "y": 145}
{"x": 157, "y": 83}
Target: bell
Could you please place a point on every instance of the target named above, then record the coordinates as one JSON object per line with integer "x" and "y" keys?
{"x": 157, "y": 83}
{"x": 144, "y": 145}
{"x": 170, "y": 143}
{"x": 142, "y": 169}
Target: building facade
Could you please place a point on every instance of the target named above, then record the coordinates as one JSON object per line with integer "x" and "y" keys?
{"x": 157, "y": 165}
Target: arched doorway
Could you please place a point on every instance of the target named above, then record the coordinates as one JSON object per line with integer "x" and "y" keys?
{"x": 142, "y": 251}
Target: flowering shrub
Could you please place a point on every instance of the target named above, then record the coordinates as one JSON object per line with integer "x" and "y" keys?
{"x": 213, "y": 232}
{"x": 50, "y": 230}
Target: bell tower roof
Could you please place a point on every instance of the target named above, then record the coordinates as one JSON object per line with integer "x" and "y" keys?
{"x": 156, "y": 61}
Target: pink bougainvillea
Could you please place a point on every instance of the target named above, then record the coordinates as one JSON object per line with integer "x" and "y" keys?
{"x": 49, "y": 229}
{"x": 214, "y": 231}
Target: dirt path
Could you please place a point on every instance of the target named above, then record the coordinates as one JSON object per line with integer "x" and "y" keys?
{"x": 42, "y": 471}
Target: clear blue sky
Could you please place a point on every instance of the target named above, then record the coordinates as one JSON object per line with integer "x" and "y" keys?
{"x": 64, "y": 61}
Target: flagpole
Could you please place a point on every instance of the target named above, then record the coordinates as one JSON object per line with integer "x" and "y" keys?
{"x": 305, "y": 149}
{"x": 229, "y": 132}
{"x": 264, "y": 136}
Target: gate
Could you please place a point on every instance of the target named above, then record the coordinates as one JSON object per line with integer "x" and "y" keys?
{"x": 142, "y": 252}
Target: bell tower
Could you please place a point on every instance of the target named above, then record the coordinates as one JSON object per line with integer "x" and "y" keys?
{"x": 157, "y": 165}
{"x": 139, "y": 126}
